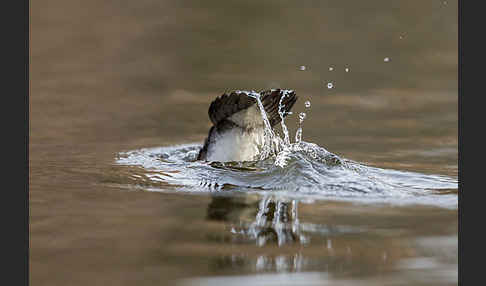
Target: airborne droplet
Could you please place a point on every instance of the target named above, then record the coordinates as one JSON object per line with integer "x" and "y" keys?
{"x": 330, "y": 85}
{"x": 302, "y": 116}
{"x": 307, "y": 104}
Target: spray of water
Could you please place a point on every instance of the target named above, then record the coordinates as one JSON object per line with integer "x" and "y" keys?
{"x": 273, "y": 144}
{"x": 298, "y": 134}
{"x": 282, "y": 122}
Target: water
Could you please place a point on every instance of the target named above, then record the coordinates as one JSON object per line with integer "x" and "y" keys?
{"x": 118, "y": 109}
{"x": 299, "y": 169}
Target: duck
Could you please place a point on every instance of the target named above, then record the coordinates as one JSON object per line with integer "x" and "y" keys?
{"x": 237, "y": 131}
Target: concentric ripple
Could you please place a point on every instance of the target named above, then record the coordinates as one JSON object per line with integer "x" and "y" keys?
{"x": 302, "y": 170}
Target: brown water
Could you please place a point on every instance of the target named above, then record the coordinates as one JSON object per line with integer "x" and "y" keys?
{"x": 114, "y": 76}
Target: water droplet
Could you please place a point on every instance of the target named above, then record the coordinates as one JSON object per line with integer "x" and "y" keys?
{"x": 346, "y": 69}
{"x": 307, "y": 104}
{"x": 331, "y": 68}
{"x": 330, "y": 85}
{"x": 302, "y": 116}
{"x": 386, "y": 59}
{"x": 302, "y": 68}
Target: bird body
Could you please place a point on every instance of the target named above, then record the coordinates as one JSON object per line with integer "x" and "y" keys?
{"x": 238, "y": 127}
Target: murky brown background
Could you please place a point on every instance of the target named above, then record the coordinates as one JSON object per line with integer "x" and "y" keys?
{"x": 112, "y": 76}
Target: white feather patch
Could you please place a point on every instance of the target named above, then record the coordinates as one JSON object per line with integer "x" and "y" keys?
{"x": 236, "y": 145}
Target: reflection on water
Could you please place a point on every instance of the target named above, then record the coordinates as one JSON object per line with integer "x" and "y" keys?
{"x": 276, "y": 221}
{"x": 269, "y": 221}
{"x": 266, "y": 221}
{"x": 336, "y": 249}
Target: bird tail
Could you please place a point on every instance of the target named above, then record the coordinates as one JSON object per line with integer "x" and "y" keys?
{"x": 232, "y": 106}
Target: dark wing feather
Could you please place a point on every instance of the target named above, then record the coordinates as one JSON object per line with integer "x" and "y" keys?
{"x": 271, "y": 102}
{"x": 226, "y": 105}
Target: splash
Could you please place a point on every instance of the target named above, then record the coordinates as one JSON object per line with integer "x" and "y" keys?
{"x": 298, "y": 170}
{"x": 298, "y": 134}
{"x": 273, "y": 144}
{"x": 282, "y": 118}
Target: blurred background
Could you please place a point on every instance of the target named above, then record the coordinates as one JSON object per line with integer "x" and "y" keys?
{"x": 113, "y": 76}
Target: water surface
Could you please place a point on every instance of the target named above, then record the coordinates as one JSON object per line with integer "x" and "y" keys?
{"x": 114, "y": 81}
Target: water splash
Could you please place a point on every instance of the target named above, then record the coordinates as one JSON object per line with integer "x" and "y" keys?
{"x": 271, "y": 144}
{"x": 306, "y": 172}
{"x": 298, "y": 133}
{"x": 299, "y": 169}
{"x": 282, "y": 118}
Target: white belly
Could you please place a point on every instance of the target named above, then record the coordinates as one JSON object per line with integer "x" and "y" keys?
{"x": 236, "y": 145}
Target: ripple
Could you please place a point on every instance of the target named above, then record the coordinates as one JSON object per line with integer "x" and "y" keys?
{"x": 302, "y": 171}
